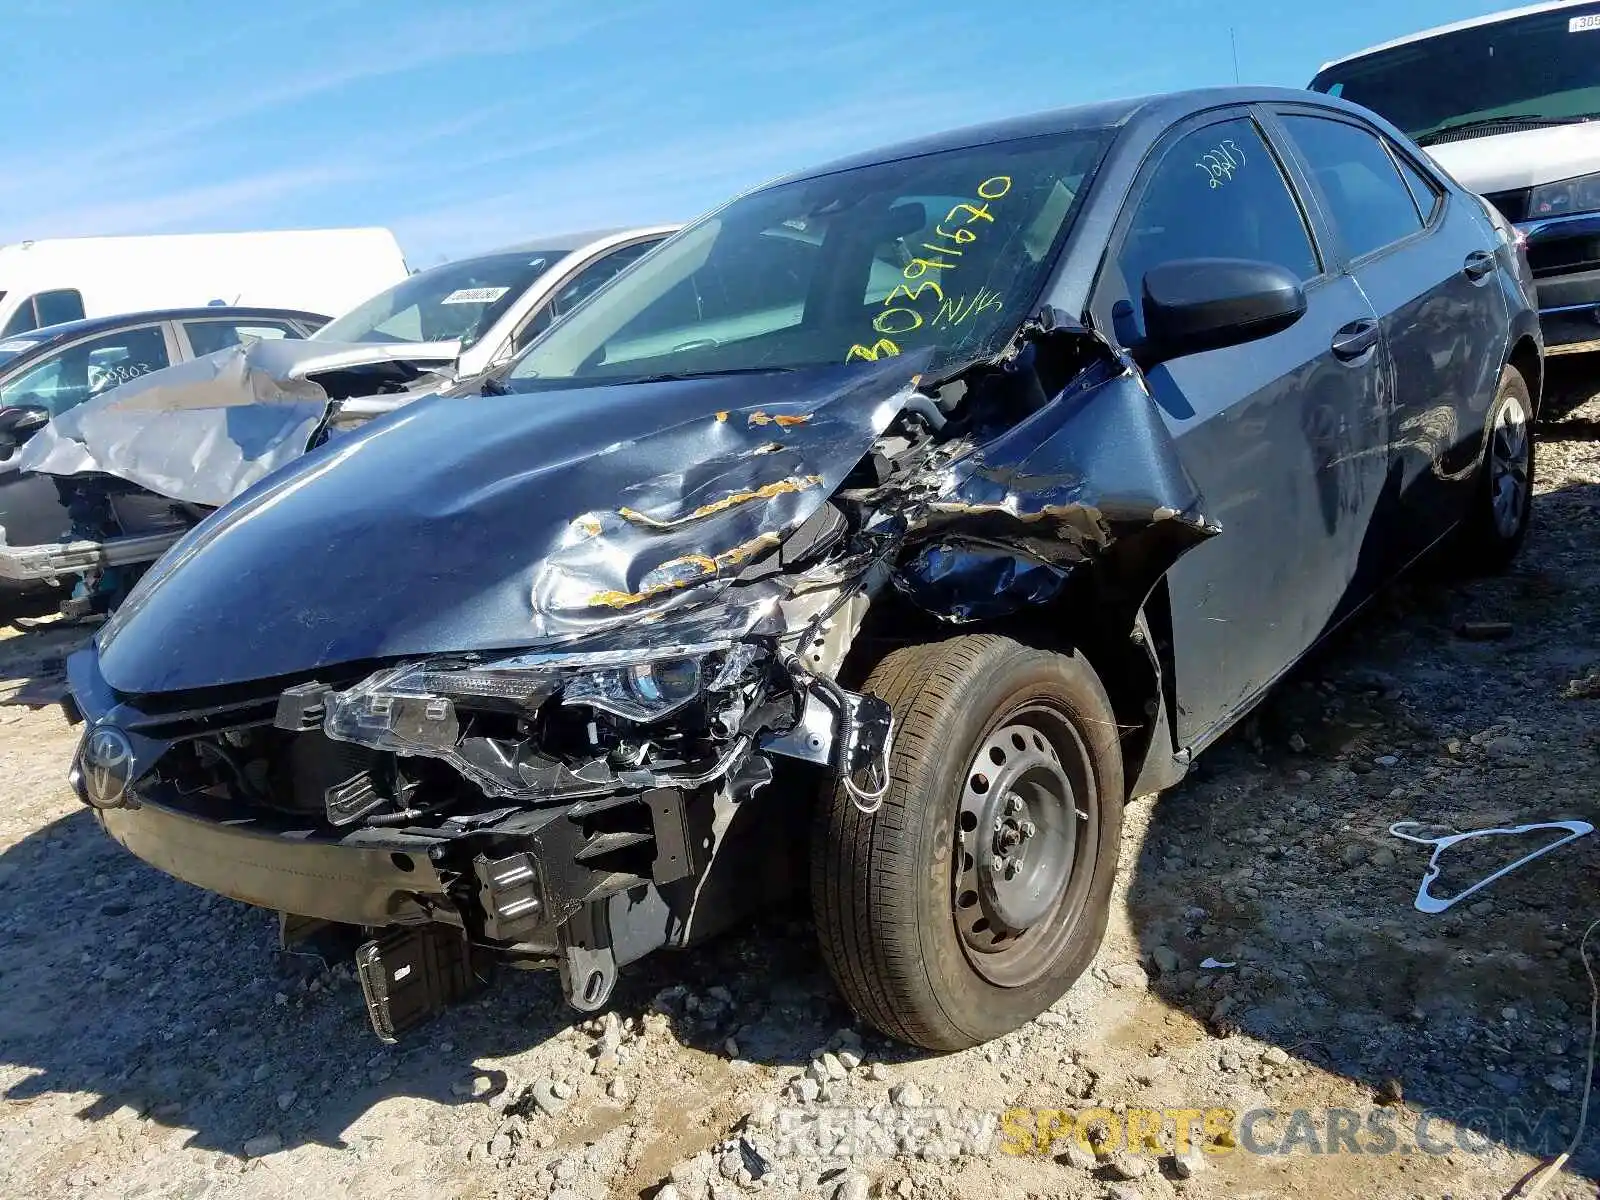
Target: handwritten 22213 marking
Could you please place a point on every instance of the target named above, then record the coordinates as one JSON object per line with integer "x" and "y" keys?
{"x": 1221, "y": 161}
{"x": 897, "y": 320}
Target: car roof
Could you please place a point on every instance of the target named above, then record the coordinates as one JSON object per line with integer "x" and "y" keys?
{"x": 68, "y": 330}
{"x": 1109, "y": 114}
{"x": 1509, "y": 14}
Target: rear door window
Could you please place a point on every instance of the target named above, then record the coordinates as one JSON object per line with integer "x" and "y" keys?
{"x": 88, "y": 368}
{"x": 1423, "y": 190}
{"x": 207, "y": 337}
{"x": 1366, "y": 197}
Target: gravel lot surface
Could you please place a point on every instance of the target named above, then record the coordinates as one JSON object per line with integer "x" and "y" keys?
{"x": 153, "y": 1043}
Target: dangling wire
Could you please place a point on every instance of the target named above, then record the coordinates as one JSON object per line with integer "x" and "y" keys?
{"x": 865, "y": 801}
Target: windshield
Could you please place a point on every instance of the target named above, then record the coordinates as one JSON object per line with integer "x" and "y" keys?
{"x": 460, "y": 300}
{"x": 944, "y": 252}
{"x": 1534, "y": 70}
{"x": 10, "y": 348}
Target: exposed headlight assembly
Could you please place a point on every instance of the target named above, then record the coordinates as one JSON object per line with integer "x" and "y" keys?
{"x": 412, "y": 709}
{"x": 426, "y": 709}
{"x": 1577, "y": 195}
{"x": 643, "y": 692}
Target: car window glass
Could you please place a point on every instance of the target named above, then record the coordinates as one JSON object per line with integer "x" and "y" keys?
{"x": 780, "y": 278}
{"x": 1424, "y": 192}
{"x": 45, "y": 308}
{"x": 58, "y": 307}
{"x": 88, "y": 369}
{"x": 583, "y": 285}
{"x": 771, "y": 278}
{"x": 1218, "y": 192}
{"x": 458, "y": 301}
{"x": 21, "y": 321}
{"x": 1367, "y": 199}
{"x": 207, "y": 337}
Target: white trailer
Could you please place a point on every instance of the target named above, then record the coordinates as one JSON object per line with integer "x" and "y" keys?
{"x": 328, "y": 271}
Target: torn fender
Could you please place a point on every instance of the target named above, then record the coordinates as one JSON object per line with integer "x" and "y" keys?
{"x": 203, "y": 431}
{"x": 1093, "y": 473}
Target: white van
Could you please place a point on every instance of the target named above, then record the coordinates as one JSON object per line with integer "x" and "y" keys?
{"x": 1510, "y": 105}
{"x": 54, "y": 280}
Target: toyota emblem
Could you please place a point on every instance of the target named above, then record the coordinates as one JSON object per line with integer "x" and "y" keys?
{"x": 107, "y": 767}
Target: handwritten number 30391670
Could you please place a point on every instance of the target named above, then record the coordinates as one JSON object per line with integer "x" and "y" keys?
{"x": 1221, "y": 161}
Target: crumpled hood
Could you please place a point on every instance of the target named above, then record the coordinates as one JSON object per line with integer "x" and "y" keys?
{"x": 490, "y": 522}
{"x": 205, "y": 430}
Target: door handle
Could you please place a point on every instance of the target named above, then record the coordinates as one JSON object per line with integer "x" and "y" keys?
{"x": 1355, "y": 339}
{"x": 1479, "y": 263}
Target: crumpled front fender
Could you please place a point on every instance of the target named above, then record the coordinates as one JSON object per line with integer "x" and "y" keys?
{"x": 1093, "y": 474}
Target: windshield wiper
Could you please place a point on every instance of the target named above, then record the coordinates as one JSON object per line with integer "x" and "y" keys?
{"x": 493, "y": 387}
{"x": 1484, "y": 123}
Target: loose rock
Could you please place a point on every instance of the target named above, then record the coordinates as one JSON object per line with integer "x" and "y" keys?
{"x": 262, "y": 1145}
{"x": 907, "y": 1095}
{"x": 1129, "y": 976}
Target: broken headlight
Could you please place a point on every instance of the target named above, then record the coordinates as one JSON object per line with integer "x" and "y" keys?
{"x": 642, "y": 692}
{"x": 412, "y": 709}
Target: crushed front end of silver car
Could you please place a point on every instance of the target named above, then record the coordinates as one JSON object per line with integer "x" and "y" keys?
{"x": 145, "y": 461}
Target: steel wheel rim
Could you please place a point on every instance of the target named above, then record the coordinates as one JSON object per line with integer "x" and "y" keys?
{"x": 1017, "y": 895}
{"x": 1510, "y": 467}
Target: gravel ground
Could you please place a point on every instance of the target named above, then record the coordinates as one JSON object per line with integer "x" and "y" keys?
{"x": 152, "y": 1043}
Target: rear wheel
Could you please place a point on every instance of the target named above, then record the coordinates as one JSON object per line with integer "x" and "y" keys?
{"x": 979, "y": 891}
{"x": 1502, "y": 502}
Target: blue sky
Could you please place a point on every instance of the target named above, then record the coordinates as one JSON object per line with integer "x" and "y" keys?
{"x": 467, "y": 125}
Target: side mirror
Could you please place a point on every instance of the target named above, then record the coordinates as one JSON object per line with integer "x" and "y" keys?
{"x": 20, "y": 422}
{"x": 1197, "y": 304}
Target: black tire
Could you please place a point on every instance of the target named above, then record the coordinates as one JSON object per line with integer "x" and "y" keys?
{"x": 1487, "y": 540}
{"x": 885, "y": 886}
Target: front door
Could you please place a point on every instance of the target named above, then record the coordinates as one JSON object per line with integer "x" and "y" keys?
{"x": 1285, "y": 436}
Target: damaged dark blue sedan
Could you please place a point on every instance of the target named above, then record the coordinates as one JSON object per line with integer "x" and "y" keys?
{"x": 890, "y": 526}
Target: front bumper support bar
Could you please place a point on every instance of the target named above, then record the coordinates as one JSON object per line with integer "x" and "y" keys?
{"x": 51, "y": 560}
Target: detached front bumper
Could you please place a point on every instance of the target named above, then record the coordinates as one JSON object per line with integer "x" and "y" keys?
{"x": 51, "y": 560}
{"x": 1565, "y": 255}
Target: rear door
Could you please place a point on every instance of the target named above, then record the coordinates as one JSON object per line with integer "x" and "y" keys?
{"x": 1285, "y": 435}
{"x": 1425, "y": 260}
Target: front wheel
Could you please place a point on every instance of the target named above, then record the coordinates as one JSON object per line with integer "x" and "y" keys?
{"x": 979, "y": 891}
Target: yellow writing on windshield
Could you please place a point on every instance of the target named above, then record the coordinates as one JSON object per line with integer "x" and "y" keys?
{"x": 870, "y": 353}
{"x": 941, "y": 253}
{"x": 958, "y": 309}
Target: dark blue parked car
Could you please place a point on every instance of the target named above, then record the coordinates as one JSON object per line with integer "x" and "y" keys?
{"x": 931, "y": 504}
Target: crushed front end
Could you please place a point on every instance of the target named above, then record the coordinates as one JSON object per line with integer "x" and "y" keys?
{"x": 538, "y": 810}
{"x": 630, "y": 775}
